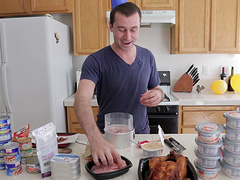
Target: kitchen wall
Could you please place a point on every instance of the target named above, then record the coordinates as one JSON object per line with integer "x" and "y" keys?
{"x": 157, "y": 39}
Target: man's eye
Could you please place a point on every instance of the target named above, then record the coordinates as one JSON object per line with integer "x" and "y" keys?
{"x": 134, "y": 30}
{"x": 121, "y": 29}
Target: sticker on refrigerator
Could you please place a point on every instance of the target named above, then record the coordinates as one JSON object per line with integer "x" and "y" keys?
{"x": 56, "y": 37}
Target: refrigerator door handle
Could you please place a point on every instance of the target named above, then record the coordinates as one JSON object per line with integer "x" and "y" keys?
{"x": 4, "y": 68}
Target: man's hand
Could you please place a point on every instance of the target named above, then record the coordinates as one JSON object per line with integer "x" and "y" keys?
{"x": 152, "y": 97}
{"x": 106, "y": 153}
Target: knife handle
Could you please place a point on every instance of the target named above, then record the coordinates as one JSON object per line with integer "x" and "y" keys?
{"x": 168, "y": 143}
{"x": 174, "y": 141}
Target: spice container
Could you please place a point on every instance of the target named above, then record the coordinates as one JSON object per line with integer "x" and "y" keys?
{"x": 231, "y": 171}
{"x": 232, "y": 134}
{"x": 208, "y": 161}
{"x": 231, "y": 159}
{"x": 232, "y": 119}
{"x": 207, "y": 173}
{"x": 209, "y": 132}
{"x": 208, "y": 149}
{"x": 231, "y": 146}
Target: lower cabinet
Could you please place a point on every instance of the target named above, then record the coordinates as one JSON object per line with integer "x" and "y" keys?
{"x": 190, "y": 116}
{"x": 72, "y": 122}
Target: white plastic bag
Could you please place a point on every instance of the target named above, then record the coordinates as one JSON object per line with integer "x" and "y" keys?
{"x": 46, "y": 144}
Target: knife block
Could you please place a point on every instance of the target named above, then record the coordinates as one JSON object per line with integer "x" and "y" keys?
{"x": 184, "y": 84}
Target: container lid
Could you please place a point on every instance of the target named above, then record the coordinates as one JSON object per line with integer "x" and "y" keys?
{"x": 230, "y": 129}
{"x": 217, "y": 144}
{"x": 224, "y": 164}
{"x": 232, "y": 115}
{"x": 226, "y": 153}
{"x": 216, "y": 169}
{"x": 65, "y": 160}
{"x": 198, "y": 154}
{"x": 227, "y": 141}
{"x": 209, "y": 128}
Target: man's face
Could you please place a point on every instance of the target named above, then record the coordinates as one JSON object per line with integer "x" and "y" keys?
{"x": 125, "y": 30}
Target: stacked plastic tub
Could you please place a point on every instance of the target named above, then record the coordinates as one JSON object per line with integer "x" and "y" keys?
{"x": 5, "y": 137}
{"x": 231, "y": 149}
{"x": 208, "y": 149}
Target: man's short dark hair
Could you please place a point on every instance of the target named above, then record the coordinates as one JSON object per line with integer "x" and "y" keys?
{"x": 128, "y": 9}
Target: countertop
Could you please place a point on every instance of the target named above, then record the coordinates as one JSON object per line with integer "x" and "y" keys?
{"x": 206, "y": 98}
{"x": 70, "y": 101}
{"x": 133, "y": 153}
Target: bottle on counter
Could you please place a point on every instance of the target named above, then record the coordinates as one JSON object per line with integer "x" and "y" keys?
{"x": 229, "y": 80}
{"x": 223, "y": 75}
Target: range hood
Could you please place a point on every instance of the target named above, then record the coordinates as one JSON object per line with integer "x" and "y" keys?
{"x": 155, "y": 16}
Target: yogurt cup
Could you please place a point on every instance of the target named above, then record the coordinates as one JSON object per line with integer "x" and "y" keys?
{"x": 232, "y": 134}
{"x": 231, "y": 171}
{"x": 230, "y": 146}
{"x": 206, "y": 173}
{"x": 208, "y": 161}
{"x": 231, "y": 159}
{"x": 208, "y": 149}
{"x": 209, "y": 132}
{"x": 232, "y": 119}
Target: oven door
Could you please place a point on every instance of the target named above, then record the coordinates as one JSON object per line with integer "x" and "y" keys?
{"x": 168, "y": 122}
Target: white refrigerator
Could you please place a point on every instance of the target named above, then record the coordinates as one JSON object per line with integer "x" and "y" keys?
{"x": 36, "y": 71}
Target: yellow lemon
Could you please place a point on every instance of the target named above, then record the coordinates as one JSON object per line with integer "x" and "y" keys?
{"x": 235, "y": 82}
{"x": 219, "y": 86}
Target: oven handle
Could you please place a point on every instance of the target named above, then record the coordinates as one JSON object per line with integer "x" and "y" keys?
{"x": 163, "y": 116}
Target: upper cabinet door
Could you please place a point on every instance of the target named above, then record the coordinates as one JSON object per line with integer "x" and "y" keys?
{"x": 46, "y": 5}
{"x": 89, "y": 26}
{"x": 13, "y": 6}
{"x": 156, "y": 4}
{"x": 194, "y": 22}
{"x": 225, "y": 26}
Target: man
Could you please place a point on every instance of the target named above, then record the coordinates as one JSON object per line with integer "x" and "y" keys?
{"x": 126, "y": 80}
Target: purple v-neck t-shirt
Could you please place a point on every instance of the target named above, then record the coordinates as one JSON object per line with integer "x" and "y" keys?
{"x": 120, "y": 85}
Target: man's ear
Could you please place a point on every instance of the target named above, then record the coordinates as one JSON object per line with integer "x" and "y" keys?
{"x": 110, "y": 26}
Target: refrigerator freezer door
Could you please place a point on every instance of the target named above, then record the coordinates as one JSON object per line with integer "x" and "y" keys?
{"x": 34, "y": 70}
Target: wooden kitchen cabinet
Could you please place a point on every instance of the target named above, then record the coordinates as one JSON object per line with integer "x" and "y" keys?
{"x": 72, "y": 122}
{"x": 151, "y": 4}
{"x": 207, "y": 26}
{"x": 28, "y": 7}
{"x": 190, "y": 116}
{"x": 89, "y": 26}
{"x": 157, "y": 4}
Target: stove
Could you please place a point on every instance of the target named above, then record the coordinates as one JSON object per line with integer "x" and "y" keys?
{"x": 166, "y": 113}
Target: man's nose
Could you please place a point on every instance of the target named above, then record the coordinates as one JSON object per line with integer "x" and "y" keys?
{"x": 127, "y": 35}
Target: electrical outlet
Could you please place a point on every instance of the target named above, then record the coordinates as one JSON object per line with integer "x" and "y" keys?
{"x": 205, "y": 70}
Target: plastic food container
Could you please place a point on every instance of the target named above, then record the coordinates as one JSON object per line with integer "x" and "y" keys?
{"x": 231, "y": 159}
{"x": 231, "y": 171}
{"x": 209, "y": 132}
{"x": 208, "y": 149}
{"x": 206, "y": 173}
{"x": 232, "y": 134}
{"x": 119, "y": 129}
{"x": 151, "y": 149}
{"x": 230, "y": 146}
{"x": 232, "y": 119}
{"x": 208, "y": 161}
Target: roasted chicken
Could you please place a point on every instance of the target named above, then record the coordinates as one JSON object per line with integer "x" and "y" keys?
{"x": 170, "y": 167}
